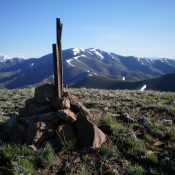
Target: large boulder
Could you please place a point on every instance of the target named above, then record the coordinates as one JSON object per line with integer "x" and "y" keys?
{"x": 15, "y": 131}
{"x": 44, "y": 94}
{"x": 65, "y": 132}
{"x": 88, "y": 134}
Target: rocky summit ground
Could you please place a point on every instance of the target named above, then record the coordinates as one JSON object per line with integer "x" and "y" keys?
{"x": 140, "y": 129}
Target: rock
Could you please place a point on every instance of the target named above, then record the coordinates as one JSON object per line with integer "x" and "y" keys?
{"x": 11, "y": 122}
{"x": 77, "y": 107}
{"x": 88, "y": 134}
{"x": 62, "y": 103}
{"x": 150, "y": 153}
{"x": 71, "y": 117}
{"x": 106, "y": 108}
{"x": 106, "y": 129}
{"x": 34, "y": 110}
{"x": 126, "y": 118}
{"x": 77, "y": 160}
{"x": 133, "y": 134}
{"x": 37, "y": 132}
{"x": 44, "y": 94}
{"x": 159, "y": 143}
{"x": 61, "y": 116}
{"x": 50, "y": 116}
{"x": 139, "y": 131}
{"x": 65, "y": 132}
{"x": 15, "y": 131}
{"x": 143, "y": 121}
{"x": 167, "y": 122}
{"x": 33, "y": 147}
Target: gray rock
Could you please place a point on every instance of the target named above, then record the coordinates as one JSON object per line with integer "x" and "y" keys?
{"x": 167, "y": 122}
{"x": 44, "y": 94}
{"x": 143, "y": 121}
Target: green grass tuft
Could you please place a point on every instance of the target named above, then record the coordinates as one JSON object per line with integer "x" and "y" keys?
{"x": 136, "y": 170}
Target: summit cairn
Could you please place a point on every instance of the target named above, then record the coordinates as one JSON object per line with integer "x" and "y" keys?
{"x": 53, "y": 115}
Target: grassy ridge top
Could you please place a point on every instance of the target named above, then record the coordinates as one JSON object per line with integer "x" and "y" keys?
{"x": 144, "y": 146}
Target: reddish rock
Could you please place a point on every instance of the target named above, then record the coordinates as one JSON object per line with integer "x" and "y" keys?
{"x": 88, "y": 134}
{"x": 70, "y": 115}
{"x": 77, "y": 106}
{"x": 62, "y": 103}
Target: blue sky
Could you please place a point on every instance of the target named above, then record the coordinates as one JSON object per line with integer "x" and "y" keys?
{"x": 127, "y": 27}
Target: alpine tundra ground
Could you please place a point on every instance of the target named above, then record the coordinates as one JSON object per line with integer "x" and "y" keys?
{"x": 140, "y": 129}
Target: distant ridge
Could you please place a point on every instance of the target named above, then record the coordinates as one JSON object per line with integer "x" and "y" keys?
{"x": 163, "y": 83}
{"x": 79, "y": 64}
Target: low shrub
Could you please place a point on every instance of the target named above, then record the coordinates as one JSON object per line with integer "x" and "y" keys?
{"x": 136, "y": 170}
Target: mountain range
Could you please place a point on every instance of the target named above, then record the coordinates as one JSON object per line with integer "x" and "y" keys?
{"x": 81, "y": 65}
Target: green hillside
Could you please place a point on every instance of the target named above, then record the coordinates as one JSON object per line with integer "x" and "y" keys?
{"x": 106, "y": 83}
{"x": 143, "y": 144}
{"x": 163, "y": 83}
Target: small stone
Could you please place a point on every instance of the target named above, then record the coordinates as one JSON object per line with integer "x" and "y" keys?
{"x": 106, "y": 108}
{"x": 143, "y": 121}
{"x": 167, "y": 122}
{"x": 77, "y": 160}
{"x": 158, "y": 143}
{"x": 33, "y": 147}
{"x": 149, "y": 153}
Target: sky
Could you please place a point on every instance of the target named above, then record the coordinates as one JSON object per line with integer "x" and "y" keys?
{"x": 143, "y": 28}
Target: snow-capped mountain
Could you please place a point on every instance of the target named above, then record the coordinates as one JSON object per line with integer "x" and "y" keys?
{"x": 82, "y": 63}
{"x": 6, "y": 61}
{"x": 4, "y": 58}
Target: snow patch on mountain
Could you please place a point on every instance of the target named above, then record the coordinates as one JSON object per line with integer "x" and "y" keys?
{"x": 77, "y": 51}
{"x": 4, "y": 58}
{"x": 32, "y": 64}
{"x": 95, "y": 51}
{"x": 79, "y": 56}
{"x": 69, "y": 62}
{"x": 143, "y": 88}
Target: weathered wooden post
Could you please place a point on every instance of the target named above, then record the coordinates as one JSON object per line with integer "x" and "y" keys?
{"x": 57, "y": 61}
